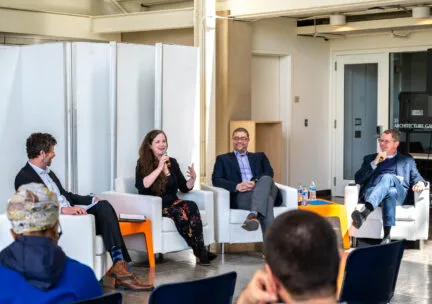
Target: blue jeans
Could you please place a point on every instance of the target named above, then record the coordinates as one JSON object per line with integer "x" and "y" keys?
{"x": 389, "y": 193}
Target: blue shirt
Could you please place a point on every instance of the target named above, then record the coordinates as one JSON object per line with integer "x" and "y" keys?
{"x": 245, "y": 169}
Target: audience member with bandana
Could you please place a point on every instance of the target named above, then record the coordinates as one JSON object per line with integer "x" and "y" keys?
{"x": 33, "y": 269}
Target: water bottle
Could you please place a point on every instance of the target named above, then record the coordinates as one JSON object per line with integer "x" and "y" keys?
{"x": 312, "y": 191}
{"x": 299, "y": 194}
{"x": 304, "y": 197}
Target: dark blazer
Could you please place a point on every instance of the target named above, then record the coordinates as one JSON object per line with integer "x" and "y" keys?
{"x": 226, "y": 172}
{"x": 405, "y": 167}
{"x": 27, "y": 175}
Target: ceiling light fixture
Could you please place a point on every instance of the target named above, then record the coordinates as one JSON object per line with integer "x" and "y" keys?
{"x": 337, "y": 19}
{"x": 420, "y": 12}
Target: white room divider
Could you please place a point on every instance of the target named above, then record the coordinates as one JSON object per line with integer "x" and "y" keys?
{"x": 10, "y": 141}
{"x": 135, "y": 102}
{"x": 40, "y": 107}
{"x": 177, "y": 72}
{"x": 98, "y": 100}
{"x": 92, "y": 117}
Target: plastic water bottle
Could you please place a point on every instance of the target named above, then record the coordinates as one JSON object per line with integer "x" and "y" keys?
{"x": 299, "y": 194}
{"x": 312, "y": 191}
{"x": 304, "y": 197}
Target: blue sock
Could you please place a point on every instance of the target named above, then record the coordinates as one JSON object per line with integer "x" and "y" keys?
{"x": 116, "y": 254}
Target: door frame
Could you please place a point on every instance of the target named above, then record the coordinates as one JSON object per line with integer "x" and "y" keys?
{"x": 285, "y": 106}
{"x": 338, "y": 61}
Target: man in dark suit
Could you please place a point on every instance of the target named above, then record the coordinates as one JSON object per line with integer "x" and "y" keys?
{"x": 385, "y": 178}
{"x": 40, "y": 152}
{"x": 249, "y": 179}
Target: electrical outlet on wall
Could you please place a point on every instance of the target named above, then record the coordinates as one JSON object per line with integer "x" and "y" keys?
{"x": 296, "y": 99}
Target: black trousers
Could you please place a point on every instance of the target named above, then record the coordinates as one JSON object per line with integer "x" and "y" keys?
{"x": 107, "y": 225}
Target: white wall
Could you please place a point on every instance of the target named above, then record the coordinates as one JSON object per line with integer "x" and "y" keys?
{"x": 309, "y": 146}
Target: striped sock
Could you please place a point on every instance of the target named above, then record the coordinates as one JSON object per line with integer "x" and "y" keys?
{"x": 116, "y": 254}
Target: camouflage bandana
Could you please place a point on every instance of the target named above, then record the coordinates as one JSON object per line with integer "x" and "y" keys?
{"x": 33, "y": 208}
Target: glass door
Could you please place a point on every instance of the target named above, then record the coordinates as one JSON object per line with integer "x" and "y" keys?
{"x": 361, "y": 112}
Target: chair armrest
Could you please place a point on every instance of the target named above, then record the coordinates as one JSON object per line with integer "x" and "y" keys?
{"x": 78, "y": 238}
{"x": 422, "y": 203}
{"x": 221, "y": 199}
{"x": 289, "y": 196}
{"x": 148, "y": 205}
{"x": 204, "y": 201}
{"x": 5, "y": 235}
{"x": 423, "y": 197}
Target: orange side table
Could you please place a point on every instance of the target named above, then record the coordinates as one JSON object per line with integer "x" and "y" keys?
{"x": 144, "y": 227}
{"x": 330, "y": 209}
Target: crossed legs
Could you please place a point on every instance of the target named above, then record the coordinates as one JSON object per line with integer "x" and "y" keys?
{"x": 388, "y": 193}
{"x": 261, "y": 200}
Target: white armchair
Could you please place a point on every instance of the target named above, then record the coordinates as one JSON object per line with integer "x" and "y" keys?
{"x": 165, "y": 235}
{"x": 228, "y": 221}
{"x": 412, "y": 221}
{"x": 79, "y": 241}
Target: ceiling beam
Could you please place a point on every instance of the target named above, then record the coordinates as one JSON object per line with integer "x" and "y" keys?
{"x": 50, "y": 24}
{"x": 257, "y": 9}
{"x": 362, "y": 26}
{"x": 144, "y": 21}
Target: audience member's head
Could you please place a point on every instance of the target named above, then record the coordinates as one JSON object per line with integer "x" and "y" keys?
{"x": 302, "y": 256}
{"x": 34, "y": 210}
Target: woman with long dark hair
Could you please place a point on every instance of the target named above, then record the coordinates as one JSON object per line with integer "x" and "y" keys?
{"x": 158, "y": 174}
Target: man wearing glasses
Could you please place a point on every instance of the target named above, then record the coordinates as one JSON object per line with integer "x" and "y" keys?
{"x": 33, "y": 268}
{"x": 385, "y": 179}
{"x": 249, "y": 179}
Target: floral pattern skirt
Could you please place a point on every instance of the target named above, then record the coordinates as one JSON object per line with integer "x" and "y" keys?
{"x": 187, "y": 219}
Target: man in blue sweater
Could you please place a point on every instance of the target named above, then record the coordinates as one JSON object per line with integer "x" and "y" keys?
{"x": 33, "y": 269}
{"x": 385, "y": 179}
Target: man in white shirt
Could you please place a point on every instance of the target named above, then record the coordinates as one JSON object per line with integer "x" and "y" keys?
{"x": 40, "y": 152}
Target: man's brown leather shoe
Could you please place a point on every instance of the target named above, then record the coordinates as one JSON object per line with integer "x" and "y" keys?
{"x": 124, "y": 279}
{"x": 251, "y": 223}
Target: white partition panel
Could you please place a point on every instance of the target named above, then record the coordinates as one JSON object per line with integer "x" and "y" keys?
{"x": 135, "y": 102}
{"x": 43, "y": 101}
{"x": 92, "y": 116}
{"x": 10, "y": 141}
{"x": 180, "y": 102}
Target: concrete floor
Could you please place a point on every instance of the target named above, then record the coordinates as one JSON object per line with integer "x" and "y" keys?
{"x": 413, "y": 286}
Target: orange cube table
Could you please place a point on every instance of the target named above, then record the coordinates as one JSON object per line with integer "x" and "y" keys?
{"x": 129, "y": 227}
{"x": 330, "y": 209}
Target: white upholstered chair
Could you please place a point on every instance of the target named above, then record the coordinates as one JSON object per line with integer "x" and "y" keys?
{"x": 125, "y": 199}
{"x": 228, "y": 221}
{"x": 412, "y": 221}
{"x": 79, "y": 241}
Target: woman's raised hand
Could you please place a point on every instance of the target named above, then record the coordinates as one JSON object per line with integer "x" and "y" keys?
{"x": 191, "y": 171}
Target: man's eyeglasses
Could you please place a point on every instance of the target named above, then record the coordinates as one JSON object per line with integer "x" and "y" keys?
{"x": 240, "y": 138}
{"x": 382, "y": 141}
